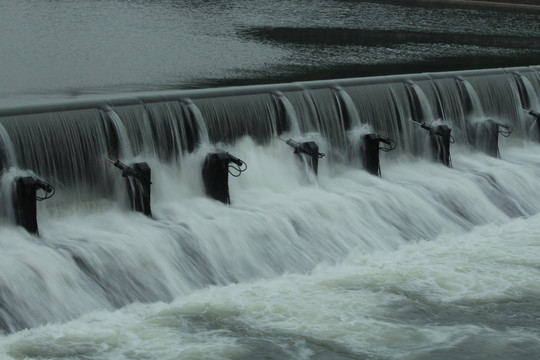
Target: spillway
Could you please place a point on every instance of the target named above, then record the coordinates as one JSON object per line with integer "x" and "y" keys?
{"x": 93, "y": 253}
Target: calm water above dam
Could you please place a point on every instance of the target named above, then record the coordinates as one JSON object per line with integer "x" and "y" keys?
{"x": 72, "y": 47}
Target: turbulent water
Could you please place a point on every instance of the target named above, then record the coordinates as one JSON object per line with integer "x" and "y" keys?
{"x": 426, "y": 261}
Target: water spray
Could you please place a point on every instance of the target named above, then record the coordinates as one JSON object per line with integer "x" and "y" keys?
{"x": 309, "y": 148}
{"x": 24, "y": 201}
{"x": 371, "y": 144}
{"x": 216, "y": 168}
{"x": 138, "y": 181}
{"x": 305, "y": 148}
{"x": 129, "y": 171}
{"x": 440, "y": 141}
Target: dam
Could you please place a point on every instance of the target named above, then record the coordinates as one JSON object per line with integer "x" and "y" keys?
{"x": 281, "y": 219}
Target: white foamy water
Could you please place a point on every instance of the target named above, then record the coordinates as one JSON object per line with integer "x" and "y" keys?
{"x": 425, "y": 262}
{"x": 427, "y": 299}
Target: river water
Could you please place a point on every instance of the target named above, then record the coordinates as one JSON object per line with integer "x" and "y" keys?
{"x": 419, "y": 264}
{"x": 424, "y": 262}
{"x": 72, "y": 47}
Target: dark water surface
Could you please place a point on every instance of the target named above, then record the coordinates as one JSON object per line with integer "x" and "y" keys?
{"x": 78, "y": 46}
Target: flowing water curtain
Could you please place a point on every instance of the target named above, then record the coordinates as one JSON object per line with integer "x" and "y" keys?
{"x": 450, "y": 103}
{"x": 232, "y": 117}
{"x": 287, "y": 118}
{"x": 378, "y": 107}
{"x": 498, "y": 98}
{"x": 329, "y": 124}
{"x": 7, "y": 161}
{"x": 66, "y": 147}
{"x": 7, "y": 152}
{"x": 347, "y": 109}
{"x": 119, "y": 142}
{"x": 164, "y": 130}
{"x": 529, "y": 98}
{"x": 305, "y": 112}
{"x": 292, "y": 232}
{"x": 533, "y": 74}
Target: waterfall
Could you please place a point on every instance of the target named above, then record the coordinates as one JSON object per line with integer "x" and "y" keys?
{"x": 66, "y": 143}
{"x": 529, "y": 101}
{"x": 288, "y": 114}
{"x": 356, "y": 141}
{"x": 419, "y": 103}
{"x": 7, "y": 153}
{"x": 475, "y": 120}
{"x": 471, "y": 101}
{"x": 347, "y": 109}
{"x": 122, "y": 147}
{"x": 196, "y": 118}
{"x": 277, "y": 222}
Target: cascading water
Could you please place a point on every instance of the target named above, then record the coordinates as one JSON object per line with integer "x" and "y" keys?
{"x": 473, "y": 105}
{"x": 347, "y": 109}
{"x": 478, "y": 132}
{"x": 290, "y": 123}
{"x": 420, "y": 106}
{"x": 7, "y": 154}
{"x": 529, "y": 101}
{"x": 249, "y": 269}
{"x": 122, "y": 147}
{"x": 356, "y": 140}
